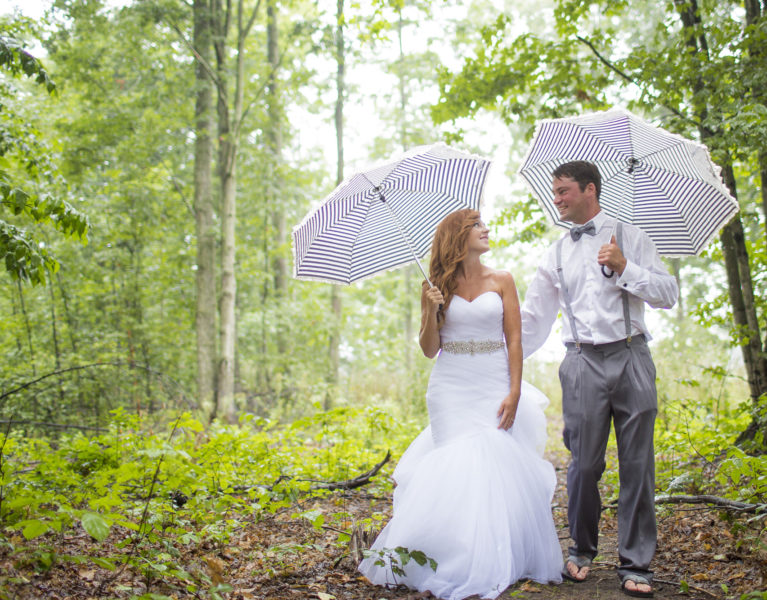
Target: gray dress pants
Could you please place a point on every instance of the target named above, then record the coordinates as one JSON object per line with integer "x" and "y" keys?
{"x": 603, "y": 383}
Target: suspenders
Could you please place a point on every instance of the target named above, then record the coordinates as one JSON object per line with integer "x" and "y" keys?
{"x": 566, "y": 294}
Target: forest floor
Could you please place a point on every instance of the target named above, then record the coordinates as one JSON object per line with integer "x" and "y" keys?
{"x": 281, "y": 557}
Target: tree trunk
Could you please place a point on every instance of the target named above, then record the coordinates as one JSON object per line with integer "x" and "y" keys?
{"x": 55, "y": 335}
{"x": 71, "y": 324}
{"x": 676, "y": 268}
{"x": 205, "y": 280}
{"x": 407, "y": 275}
{"x": 737, "y": 264}
{"x": 336, "y": 304}
{"x": 229, "y": 126}
{"x": 274, "y": 197}
{"x": 226, "y": 408}
{"x": 17, "y": 337}
{"x": 26, "y": 325}
{"x": 753, "y": 14}
{"x": 744, "y": 310}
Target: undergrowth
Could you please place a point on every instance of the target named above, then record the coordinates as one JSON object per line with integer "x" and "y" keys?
{"x": 145, "y": 496}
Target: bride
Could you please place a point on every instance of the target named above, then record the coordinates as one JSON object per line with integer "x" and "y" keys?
{"x": 473, "y": 492}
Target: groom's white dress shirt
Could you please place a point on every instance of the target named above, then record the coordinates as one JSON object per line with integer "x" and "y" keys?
{"x": 595, "y": 299}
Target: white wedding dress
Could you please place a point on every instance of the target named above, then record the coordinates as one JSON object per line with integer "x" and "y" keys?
{"x": 473, "y": 497}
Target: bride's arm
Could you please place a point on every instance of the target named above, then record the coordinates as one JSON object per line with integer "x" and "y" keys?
{"x": 428, "y": 337}
{"x": 512, "y": 330}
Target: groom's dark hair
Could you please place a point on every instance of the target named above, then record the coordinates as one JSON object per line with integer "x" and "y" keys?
{"x": 581, "y": 171}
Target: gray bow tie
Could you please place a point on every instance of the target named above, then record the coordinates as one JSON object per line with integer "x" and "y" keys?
{"x": 577, "y": 231}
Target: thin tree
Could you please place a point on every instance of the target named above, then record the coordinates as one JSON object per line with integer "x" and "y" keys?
{"x": 205, "y": 276}
{"x": 230, "y": 110}
{"x": 336, "y": 302}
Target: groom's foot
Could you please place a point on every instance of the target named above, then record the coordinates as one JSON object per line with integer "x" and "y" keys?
{"x": 636, "y": 586}
{"x": 576, "y": 568}
{"x": 578, "y": 574}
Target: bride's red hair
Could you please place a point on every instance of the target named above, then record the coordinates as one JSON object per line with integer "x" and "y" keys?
{"x": 448, "y": 249}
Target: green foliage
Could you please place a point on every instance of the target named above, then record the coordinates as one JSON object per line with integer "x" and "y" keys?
{"x": 396, "y": 559}
{"x": 25, "y": 162}
{"x": 143, "y": 497}
{"x": 18, "y": 61}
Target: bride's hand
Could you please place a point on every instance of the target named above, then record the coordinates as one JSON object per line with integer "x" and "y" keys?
{"x": 434, "y": 298}
{"x": 508, "y": 411}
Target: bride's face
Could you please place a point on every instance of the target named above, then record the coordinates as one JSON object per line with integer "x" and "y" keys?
{"x": 479, "y": 238}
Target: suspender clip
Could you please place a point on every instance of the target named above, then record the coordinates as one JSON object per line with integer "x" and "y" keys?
{"x": 628, "y": 341}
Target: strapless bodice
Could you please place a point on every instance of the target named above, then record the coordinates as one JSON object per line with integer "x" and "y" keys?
{"x": 478, "y": 320}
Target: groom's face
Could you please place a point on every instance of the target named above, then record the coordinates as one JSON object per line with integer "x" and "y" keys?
{"x": 574, "y": 205}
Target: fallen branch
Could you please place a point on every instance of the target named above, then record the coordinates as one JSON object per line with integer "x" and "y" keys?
{"x": 349, "y": 484}
{"x": 743, "y": 507}
{"x": 714, "y": 501}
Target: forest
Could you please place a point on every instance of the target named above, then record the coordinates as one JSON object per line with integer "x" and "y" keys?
{"x": 180, "y": 417}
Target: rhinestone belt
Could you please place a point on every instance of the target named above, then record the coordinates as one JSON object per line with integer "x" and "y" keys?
{"x": 472, "y": 347}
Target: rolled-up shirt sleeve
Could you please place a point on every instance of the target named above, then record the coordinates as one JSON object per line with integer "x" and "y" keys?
{"x": 647, "y": 277}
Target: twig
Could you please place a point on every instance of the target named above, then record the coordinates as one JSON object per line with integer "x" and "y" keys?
{"x": 678, "y": 584}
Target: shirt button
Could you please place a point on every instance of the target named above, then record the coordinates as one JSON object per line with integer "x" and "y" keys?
{"x": 625, "y": 285}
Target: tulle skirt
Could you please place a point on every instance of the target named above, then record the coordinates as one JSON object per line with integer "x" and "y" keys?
{"x": 472, "y": 497}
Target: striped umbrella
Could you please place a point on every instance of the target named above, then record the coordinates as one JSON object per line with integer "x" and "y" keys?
{"x": 659, "y": 181}
{"x": 385, "y": 217}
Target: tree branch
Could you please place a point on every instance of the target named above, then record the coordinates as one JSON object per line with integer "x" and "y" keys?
{"x": 132, "y": 365}
{"x": 630, "y": 79}
{"x": 208, "y": 69}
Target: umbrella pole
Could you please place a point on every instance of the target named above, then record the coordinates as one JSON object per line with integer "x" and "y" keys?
{"x": 632, "y": 163}
{"x": 404, "y": 237}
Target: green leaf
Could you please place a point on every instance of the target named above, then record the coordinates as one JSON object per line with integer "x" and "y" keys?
{"x": 104, "y": 563}
{"x": 95, "y": 525}
{"x": 34, "y": 528}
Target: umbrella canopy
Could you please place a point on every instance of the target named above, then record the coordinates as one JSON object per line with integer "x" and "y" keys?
{"x": 661, "y": 182}
{"x": 385, "y": 217}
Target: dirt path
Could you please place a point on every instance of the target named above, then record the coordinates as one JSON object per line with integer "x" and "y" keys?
{"x": 696, "y": 551}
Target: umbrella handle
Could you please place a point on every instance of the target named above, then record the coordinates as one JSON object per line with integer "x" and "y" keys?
{"x": 604, "y": 272}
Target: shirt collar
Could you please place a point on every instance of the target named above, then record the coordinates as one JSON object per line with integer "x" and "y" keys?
{"x": 600, "y": 220}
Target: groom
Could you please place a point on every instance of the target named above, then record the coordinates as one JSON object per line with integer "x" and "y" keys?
{"x": 600, "y": 275}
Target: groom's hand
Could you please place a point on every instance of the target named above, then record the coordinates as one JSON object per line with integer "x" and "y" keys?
{"x": 610, "y": 255}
